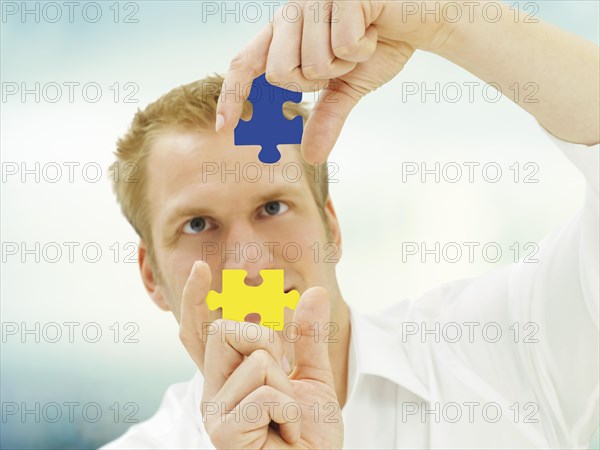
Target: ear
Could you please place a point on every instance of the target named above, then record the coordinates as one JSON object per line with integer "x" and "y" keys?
{"x": 150, "y": 283}
{"x": 334, "y": 225}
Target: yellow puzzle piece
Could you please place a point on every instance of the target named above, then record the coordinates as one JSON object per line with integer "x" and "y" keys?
{"x": 268, "y": 299}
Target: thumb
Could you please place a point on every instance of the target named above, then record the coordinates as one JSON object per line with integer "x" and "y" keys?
{"x": 327, "y": 119}
{"x": 194, "y": 315}
{"x": 311, "y": 356}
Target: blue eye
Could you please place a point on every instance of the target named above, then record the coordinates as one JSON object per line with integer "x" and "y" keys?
{"x": 196, "y": 225}
{"x": 274, "y": 208}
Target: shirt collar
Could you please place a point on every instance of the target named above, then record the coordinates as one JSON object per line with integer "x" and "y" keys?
{"x": 377, "y": 351}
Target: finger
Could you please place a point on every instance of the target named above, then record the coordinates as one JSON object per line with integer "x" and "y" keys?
{"x": 258, "y": 369}
{"x": 352, "y": 39}
{"x": 226, "y": 346}
{"x": 194, "y": 312}
{"x": 318, "y": 59}
{"x": 275, "y": 406}
{"x": 244, "y": 68}
{"x": 311, "y": 355}
{"x": 326, "y": 120}
{"x": 283, "y": 62}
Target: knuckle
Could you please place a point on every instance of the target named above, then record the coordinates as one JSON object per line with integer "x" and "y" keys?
{"x": 239, "y": 62}
{"x": 209, "y": 425}
{"x": 184, "y": 337}
{"x": 315, "y": 71}
{"x": 219, "y": 323}
{"x": 218, "y": 434}
{"x": 206, "y": 415}
{"x": 261, "y": 359}
{"x": 264, "y": 393}
{"x": 199, "y": 336}
{"x": 223, "y": 331}
{"x": 348, "y": 48}
{"x": 274, "y": 75}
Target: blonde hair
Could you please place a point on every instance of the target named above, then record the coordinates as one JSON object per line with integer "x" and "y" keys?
{"x": 188, "y": 107}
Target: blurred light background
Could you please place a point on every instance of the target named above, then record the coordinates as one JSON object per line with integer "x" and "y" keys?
{"x": 153, "y": 47}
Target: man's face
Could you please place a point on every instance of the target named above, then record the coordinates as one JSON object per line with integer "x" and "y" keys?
{"x": 212, "y": 201}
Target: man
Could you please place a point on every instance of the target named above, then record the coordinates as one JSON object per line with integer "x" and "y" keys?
{"x": 339, "y": 379}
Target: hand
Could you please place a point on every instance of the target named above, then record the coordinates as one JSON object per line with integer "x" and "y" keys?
{"x": 361, "y": 47}
{"x": 241, "y": 373}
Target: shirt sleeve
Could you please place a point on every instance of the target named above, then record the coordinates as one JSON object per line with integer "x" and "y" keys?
{"x": 559, "y": 297}
{"x": 547, "y": 313}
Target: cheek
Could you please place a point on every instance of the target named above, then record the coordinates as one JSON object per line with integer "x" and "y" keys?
{"x": 175, "y": 266}
{"x": 306, "y": 246}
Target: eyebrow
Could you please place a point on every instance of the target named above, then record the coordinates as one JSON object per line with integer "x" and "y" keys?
{"x": 185, "y": 211}
{"x": 281, "y": 190}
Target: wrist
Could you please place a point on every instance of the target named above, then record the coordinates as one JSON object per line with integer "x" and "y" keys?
{"x": 426, "y": 26}
{"x": 454, "y": 20}
{"x": 439, "y": 37}
{"x": 464, "y": 24}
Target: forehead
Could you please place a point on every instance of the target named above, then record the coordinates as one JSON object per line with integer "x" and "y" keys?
{"x": 203, "y": 166}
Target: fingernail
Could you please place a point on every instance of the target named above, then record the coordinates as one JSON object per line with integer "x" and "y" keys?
{"x": 196, "y": 266}
{"x": 220, "y": 122}
{"x": 285, "y": 365}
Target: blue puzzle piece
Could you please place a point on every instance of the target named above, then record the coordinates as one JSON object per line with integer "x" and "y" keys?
{"x": 268, "y": 127}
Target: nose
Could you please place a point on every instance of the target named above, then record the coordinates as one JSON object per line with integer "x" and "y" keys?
{"x": 245, "y": 250}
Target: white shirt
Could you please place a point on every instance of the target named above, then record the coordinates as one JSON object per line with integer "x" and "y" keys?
{"x": 405, "y": 390}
